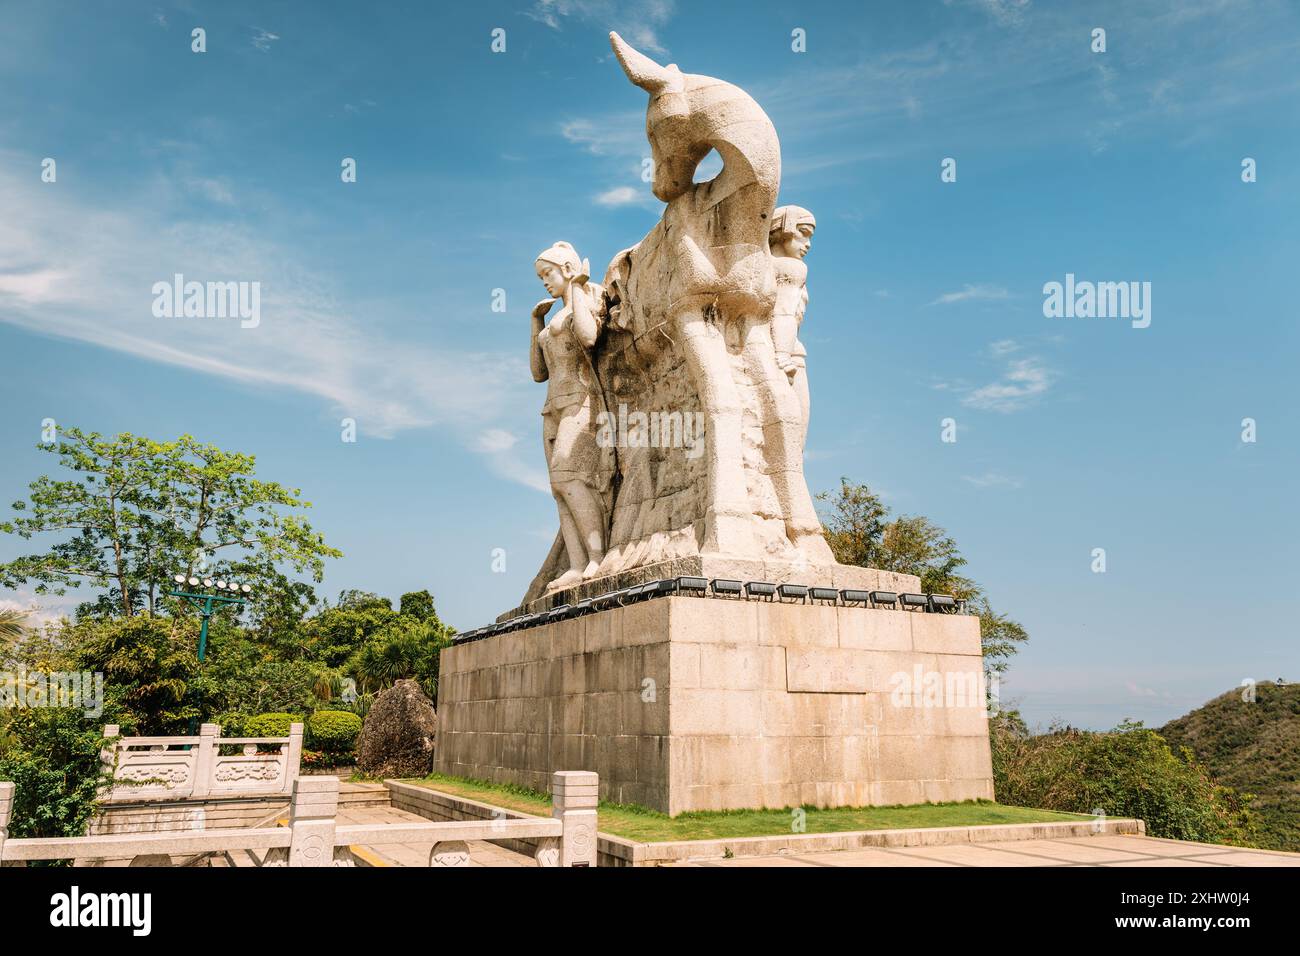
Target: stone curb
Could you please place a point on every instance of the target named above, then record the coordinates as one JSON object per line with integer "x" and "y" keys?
{"x": 619, "y": 851}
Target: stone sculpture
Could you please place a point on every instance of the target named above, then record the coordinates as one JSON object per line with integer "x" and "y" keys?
{"x": 790, "y": 240}
{"x": 756, "y": 703}
{"x": 561, "y": 356}
{"x": 699, "y": 321}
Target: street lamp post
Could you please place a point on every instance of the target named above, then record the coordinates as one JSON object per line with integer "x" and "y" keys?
{"x": 227, "y": 592}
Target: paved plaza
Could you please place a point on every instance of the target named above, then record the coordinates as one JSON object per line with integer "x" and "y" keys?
{"x": 1074, "y": 851}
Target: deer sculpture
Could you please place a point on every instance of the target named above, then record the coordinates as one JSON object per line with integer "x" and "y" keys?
{"x": 704, "y": 276}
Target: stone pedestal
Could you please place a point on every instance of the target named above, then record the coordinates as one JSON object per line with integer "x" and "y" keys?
{"x": 686, "y": 703}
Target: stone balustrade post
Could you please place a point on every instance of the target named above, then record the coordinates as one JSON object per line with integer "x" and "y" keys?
{"x": 205, "y": 760}
{"x": 6, "y": 809}
{"x": 312, "y": 814}
{"x": 574, "y": 795}
{"x": 293, "y": 759}
{"x": 108, "y": 759}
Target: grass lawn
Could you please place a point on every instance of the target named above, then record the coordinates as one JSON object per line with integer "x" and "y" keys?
{"x": 650, "y": 826}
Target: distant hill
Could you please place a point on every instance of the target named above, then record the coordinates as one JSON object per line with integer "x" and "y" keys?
{"x": 1253, "y": 748}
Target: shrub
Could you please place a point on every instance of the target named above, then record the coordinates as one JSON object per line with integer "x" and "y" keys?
{"x": 269, "y": 725}
{"x": 52, "y": 756}
{"x": 313, "y": 760}
{"x": 333, "y": 731}
{"x": 1128, "y": 772}
{"x": 233, "y": 724}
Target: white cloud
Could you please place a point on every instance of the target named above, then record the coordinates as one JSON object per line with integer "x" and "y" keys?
{"x": 41, "y": 609}
{"x": 1005, "y": 12}
{"x": 1137, "y": 690}
{"x": 973, "y": 293}
{"x": 85, "y": 272}
{"x": 620, "y": 196}
{"x": 638, "y": 21}
{"x": 31, "y": 287}
{"x": 1022, "y": 383}
{"x": 496, "y": 440}
{"x": 498, "y": 445}
{"x": 617, "y": 134}
{"x": 262, "y": 39}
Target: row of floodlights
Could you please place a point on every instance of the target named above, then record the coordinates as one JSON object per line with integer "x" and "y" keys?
{"x": 219, "y": 584}
{"x": 724, "y": 588}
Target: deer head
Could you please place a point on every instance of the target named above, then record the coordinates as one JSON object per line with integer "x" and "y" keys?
{"x": 680, "y": 137}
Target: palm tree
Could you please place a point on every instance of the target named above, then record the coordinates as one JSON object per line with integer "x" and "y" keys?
{"x": 13, "y": 623}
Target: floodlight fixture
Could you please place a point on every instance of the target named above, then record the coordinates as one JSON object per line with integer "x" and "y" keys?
{"x": 824, "y": 594}
{"x": 760, "y": 589}
{"x": 913, "y": 601}
{"x": 943, "y": 604}
{"x": 854, "y": 596}
{"x": 799, "y": 591}
{"x": 726, "y": 586}
{"x": 662, "y": 586}
{"x": 879, "y": 598}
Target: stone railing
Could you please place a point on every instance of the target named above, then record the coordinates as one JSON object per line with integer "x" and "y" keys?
{"x": 172, "y": 768}
{"x": 314, "y": 838}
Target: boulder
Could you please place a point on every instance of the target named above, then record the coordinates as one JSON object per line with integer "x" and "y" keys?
{"x": 398, "y": 734}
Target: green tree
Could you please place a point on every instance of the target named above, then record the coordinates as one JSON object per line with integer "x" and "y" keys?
{"x": 404, "y": 647}
{"x": 418, "y": 604}
{"x": 334, "y": 635}
{"x": 137, "y": 510}
{"x": 150, "y": 661}
{"x": 13, "y": 624}
{"x": 860, "y": 532}
{"x": 855, "y": 525}
{"x": 1000, "y": 636}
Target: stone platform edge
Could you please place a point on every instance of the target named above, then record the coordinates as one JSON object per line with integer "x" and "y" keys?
{"x": 433, "y": 804}
{"x": 738, "y": 569}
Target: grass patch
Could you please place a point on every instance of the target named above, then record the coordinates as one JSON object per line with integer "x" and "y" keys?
{"x": 650, "y": 826}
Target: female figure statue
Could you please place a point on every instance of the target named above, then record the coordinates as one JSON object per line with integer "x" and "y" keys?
{"x": 790, "y": 238}
{"x": 561, "y": 356}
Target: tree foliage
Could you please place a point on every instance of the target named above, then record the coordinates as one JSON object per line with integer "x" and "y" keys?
{"x": 128, "y": 513}
{"x": 860, "y": 532}
{"x": 136, "y": 511}
{"x": 150, "y": 661}
{"x": 1127, "y": 772}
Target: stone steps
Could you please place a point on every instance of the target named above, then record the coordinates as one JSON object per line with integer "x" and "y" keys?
{"x": 358, "y": 795}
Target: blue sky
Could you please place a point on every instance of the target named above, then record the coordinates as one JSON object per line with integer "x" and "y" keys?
{"x": 926, "y": 297}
